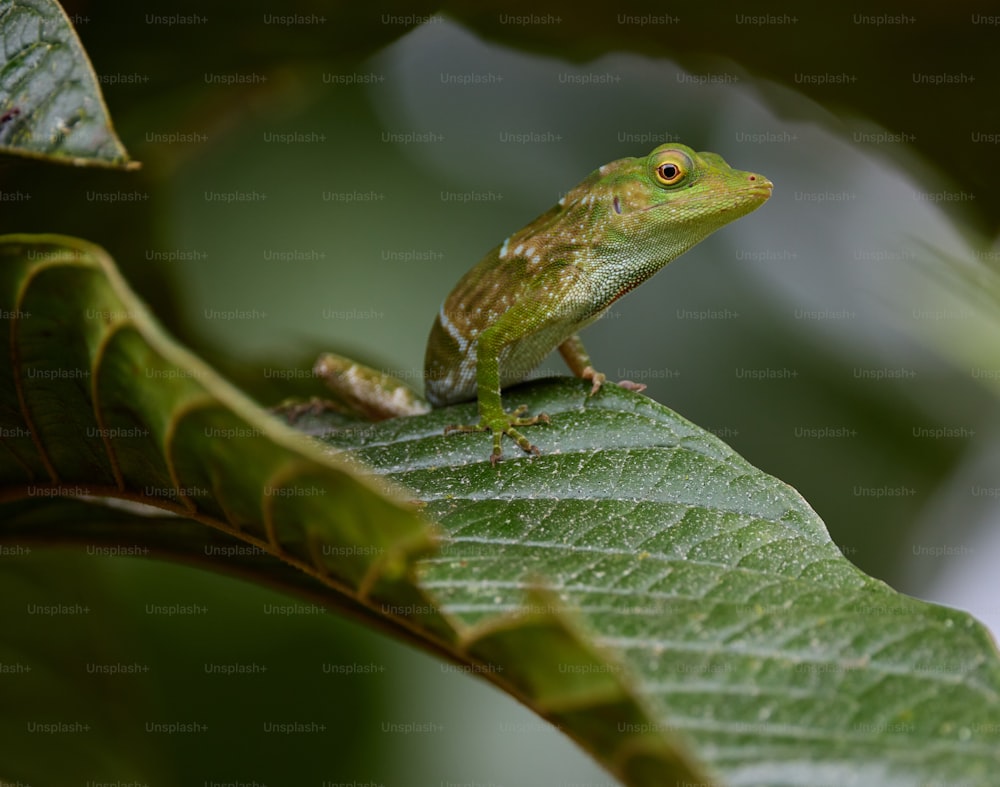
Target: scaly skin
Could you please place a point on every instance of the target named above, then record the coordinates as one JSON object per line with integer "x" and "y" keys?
{"x": 542, "y": 285}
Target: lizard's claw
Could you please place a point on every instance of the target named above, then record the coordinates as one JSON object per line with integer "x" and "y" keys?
{"x": 505, "y": 425}
{"x": 596, "y": 377}
{"x": 628, "y": 385}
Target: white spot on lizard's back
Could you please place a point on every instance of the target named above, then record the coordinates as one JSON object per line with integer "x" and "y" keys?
{"x": 453, "y": 330}
{"x": 503, "y": 248}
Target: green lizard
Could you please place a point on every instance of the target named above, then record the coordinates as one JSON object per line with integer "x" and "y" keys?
{"x": 542, "y": 285}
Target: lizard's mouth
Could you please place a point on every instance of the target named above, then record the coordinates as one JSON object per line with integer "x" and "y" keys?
{"x": 757, "y": 191}
{"x": 761, "y": 187}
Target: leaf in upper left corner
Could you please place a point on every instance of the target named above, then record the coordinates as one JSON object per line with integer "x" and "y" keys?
{"x": 50, "y": 101}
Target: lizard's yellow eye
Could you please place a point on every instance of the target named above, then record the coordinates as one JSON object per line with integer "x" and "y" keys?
{"x": 669, "y": 173}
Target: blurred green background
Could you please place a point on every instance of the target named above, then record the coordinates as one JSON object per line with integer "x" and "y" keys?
{"x": 843, "y": 338}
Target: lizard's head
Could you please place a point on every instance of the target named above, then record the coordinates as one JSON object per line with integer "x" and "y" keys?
{"x": 660, "y": 205}
{"x": 631, "y": 217}
{"x": 675, "y": 188}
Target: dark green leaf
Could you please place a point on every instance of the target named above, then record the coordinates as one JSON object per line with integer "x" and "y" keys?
{"x": 740, "y": 623}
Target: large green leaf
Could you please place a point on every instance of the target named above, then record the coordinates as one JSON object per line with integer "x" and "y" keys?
{"x": 639, "y": 584}
{"x": 739, "y": 620}
{"x": 50, "y": 101}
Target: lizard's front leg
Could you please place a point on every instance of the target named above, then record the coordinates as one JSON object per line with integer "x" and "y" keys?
{"x": 492, "y": 417}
